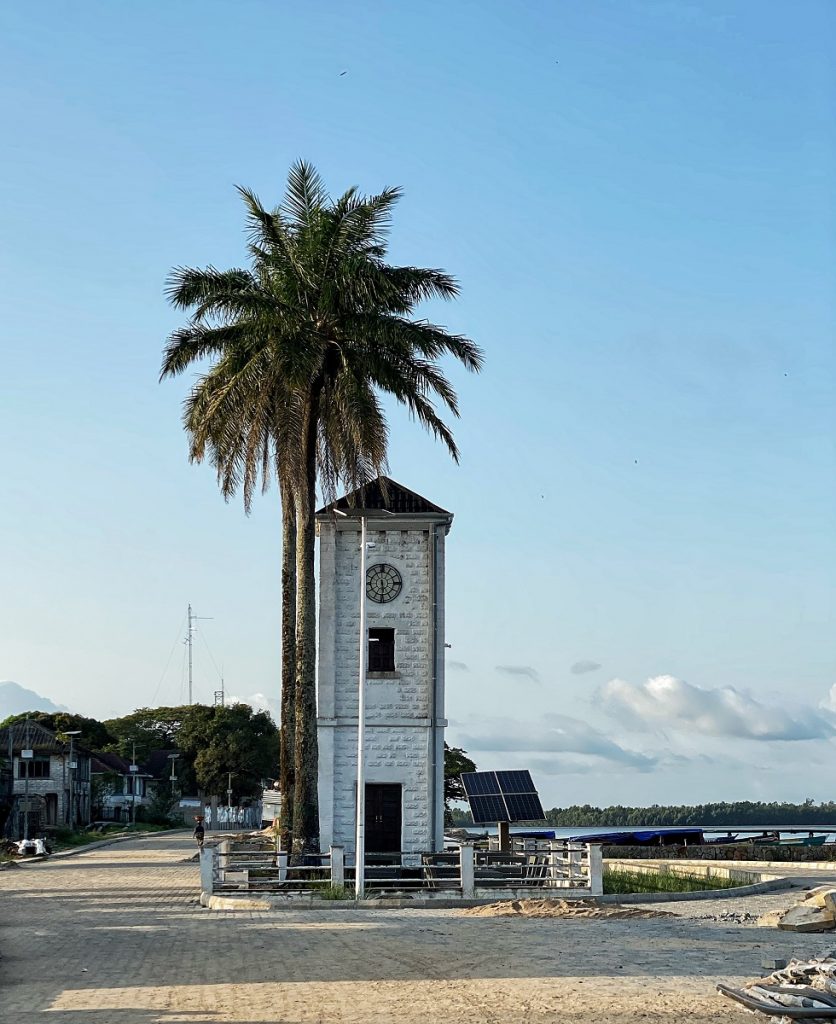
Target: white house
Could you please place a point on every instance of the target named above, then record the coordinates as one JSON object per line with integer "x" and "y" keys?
{"x": 404, "y": 584}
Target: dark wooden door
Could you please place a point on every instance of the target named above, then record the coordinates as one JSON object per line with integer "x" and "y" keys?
{"x": 383, "y": 817}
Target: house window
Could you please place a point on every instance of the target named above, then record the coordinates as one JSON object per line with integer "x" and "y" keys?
{"x": 34, "y": 768}
{"x": 381, "y": 650}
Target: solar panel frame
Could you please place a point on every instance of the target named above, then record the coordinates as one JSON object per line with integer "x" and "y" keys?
{"x": 502, "y": 796}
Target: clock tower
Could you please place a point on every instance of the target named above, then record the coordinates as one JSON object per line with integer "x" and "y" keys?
{"x": 404, "y": 679}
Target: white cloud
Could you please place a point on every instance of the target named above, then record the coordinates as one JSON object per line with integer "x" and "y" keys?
{"x": 829, "y": 703}
{"x": 667, "y": 702}
{"x": 260, "y": 702}
{"x": 553, "y": 734}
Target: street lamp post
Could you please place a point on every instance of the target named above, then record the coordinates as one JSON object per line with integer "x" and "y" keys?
{"x": 134, "y": 773}
{"x": 360, "y": 836}
{"x": 72, "y": 733}
{"x": 26, "y": 758}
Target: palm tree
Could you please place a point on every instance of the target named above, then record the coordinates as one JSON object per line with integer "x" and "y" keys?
{"x": 305, "y": 342}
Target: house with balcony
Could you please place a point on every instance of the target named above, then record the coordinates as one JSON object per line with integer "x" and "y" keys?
{"x": 122, "y": 791}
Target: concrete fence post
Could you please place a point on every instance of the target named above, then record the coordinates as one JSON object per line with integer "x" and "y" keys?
{"x": 281, "y": 864}
{"x": 337, "y": 865}
{"x": 555, "y": 869}
{"x": 223, "y": 849}
{"x": 575, "y": 856}
{"x": 208, "y": 869}
{"x": 466, "y": 871}
{"x": 596, "y": 869}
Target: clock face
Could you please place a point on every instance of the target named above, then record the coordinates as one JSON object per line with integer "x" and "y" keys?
{"x": 383, "y": 583}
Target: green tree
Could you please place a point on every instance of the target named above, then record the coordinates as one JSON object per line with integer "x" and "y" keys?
{"x": 94, "y": 734}
{"x": 456, "y": 761}
{"x": 147, "y": 729}
{"x": 236, "y": 739}
{"x": 306, "y": 340}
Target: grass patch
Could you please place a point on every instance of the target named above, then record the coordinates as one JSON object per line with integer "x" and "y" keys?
{"x": 335, "y": 892}
{"x": 65, "y": 839}
{"x": 617, "y": 881}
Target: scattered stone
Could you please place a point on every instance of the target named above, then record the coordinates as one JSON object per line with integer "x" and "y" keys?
{"x": 771, "y": 919}
{"x": 732, "y": 917}
{"x": 774, "y": 964}
{"x": 821, "y": 896}
{"x": 806, "y": 918}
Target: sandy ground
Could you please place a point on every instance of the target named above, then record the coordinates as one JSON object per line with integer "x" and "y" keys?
{"x": 116, "y": 937}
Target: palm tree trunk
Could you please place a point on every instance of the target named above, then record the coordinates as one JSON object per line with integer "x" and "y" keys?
{"x": 287, "y": 749}
{"x": 306, "y": 800}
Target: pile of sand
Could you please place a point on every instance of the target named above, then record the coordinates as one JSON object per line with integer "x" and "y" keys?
{"x": 562, "y": 908}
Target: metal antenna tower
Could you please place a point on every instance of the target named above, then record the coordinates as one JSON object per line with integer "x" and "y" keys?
{"x": 192, "y": 618}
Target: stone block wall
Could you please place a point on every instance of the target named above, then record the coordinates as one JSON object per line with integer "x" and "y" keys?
{"x": 796, "y": 854}
{"x": 401, "y": 742}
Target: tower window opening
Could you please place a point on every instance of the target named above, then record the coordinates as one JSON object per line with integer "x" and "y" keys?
{"x": 381, "y": 650}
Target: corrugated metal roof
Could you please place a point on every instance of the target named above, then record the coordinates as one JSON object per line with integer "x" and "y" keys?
{"x": 38, "y": 738}
{"x": 388, "y": 494}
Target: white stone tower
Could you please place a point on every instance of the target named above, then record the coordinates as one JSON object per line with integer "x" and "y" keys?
{"x": 405, "y": 722}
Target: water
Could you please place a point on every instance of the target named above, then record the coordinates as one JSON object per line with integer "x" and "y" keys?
{"x": 741, "y": 831}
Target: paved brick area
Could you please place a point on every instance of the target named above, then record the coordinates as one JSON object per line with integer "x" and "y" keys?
{"x": 116, "y": 936}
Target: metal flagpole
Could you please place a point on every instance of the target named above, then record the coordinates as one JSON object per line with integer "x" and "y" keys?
{"x": 360, "y": 838}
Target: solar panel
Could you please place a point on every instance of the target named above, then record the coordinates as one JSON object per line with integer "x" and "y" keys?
{"x": 524, "y": 807}
{"x": 488, "y": 808}
{"x": 515, "y": 782}
{"x": 480, "y": 783}
{"x": 502, "y": 796}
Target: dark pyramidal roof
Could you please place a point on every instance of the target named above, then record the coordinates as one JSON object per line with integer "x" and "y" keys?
{"x": 37, "y": 737}
{"x": 385, "y": 493}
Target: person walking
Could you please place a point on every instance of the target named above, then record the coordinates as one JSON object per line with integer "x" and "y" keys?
{"x": 199, "y": 834}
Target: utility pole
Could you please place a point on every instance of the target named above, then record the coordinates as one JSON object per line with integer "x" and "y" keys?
{"x": 229, "y": 789}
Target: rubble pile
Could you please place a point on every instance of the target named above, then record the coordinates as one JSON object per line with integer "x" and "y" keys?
{"x": 816, "y": 912}
{"x": 803, "y": 989}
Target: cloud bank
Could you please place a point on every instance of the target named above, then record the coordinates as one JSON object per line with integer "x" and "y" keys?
{"x": 527, "y": 671}
{"x": 668, "y": 702}
{"x": 582, "y": 667}
{"x": 553, "y": 734}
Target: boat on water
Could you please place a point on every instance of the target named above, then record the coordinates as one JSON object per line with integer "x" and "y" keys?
{"x": 671, "y": 836}
{"x": 667, "y": 835}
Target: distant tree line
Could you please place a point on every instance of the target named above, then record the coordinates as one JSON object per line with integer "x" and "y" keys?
{"x": 737, "y": 813}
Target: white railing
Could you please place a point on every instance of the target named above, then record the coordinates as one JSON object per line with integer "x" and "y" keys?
{"x": 551, "y": 869}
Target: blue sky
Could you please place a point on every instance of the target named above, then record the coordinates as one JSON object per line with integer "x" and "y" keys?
{"x": 637, "y": 198}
